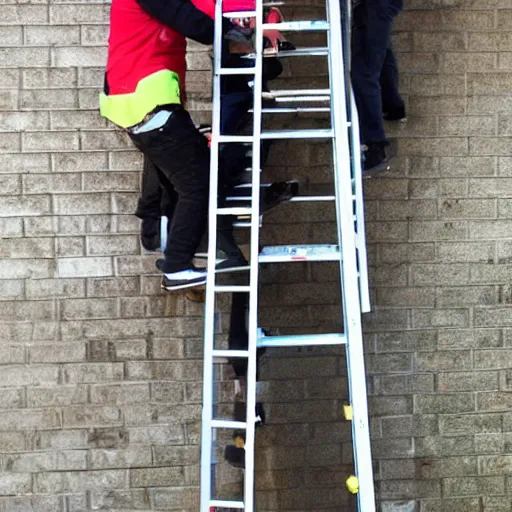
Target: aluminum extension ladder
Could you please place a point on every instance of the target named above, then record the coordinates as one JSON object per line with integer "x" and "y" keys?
{"x": 350, "y": 251}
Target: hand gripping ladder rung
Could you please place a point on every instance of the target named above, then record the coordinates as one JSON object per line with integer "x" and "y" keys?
{"x": 350, "y": 252}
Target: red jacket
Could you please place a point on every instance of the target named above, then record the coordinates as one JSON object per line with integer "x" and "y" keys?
{"x": 147, "y": 36}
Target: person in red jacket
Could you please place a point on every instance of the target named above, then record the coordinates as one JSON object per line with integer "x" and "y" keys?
{"x": 144, "y": 78}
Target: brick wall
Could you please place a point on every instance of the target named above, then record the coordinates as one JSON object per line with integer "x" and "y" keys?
{"x": 100, "y": 372}
{"x": 439, "y": 231}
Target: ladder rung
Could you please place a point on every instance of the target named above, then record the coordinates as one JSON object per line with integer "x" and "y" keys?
{"x": 244, "y": 224}
{"x": 238, "y": 198}
{"x": 236, "y": 138}
{"x": 236, "y": 71}
{"x": 279, "y": 93}
{"x": 311, "y": 199}
{"x": 239, "y": 14}
{"x": 297, "y": 134}
{"x": 305, "y": 52}
{"x": 305, "y": 99}
{"x": 298, "y": 52}
{"x": 249, "y": 185}
{"x": 228, "y": 424}
{"x": 296, "y": 199}
{"x": 234, "y": 211}
{"x": 297, "y": 26}
{"x": 287, "y": 253}
{"x": 302, "y": 340}
{"x": 227, "y": 504}
{"x": 232, "y": 289}
{"x": 231, "y": 353}
{"x": 294, "y": 110}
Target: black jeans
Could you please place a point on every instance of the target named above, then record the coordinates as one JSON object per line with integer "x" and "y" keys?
{"x": 154, "y": 200}
{"x": 181, "y": 159}
{"x": 238, "y": 334}
{"x": 374, "y": 69}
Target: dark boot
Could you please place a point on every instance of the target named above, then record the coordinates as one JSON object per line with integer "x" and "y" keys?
{"x": 374, "y": 158}
{"x": 395, "y": 114}
{"x": 150, "y": 233}
{"x": 235, "y": 453}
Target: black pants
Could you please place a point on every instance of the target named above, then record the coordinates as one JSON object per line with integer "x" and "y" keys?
{"x": 238, "y": 334}
{"x": 154, "y": 200}
{"x": 374, "y": 69}
{"x": 181, "y": 160}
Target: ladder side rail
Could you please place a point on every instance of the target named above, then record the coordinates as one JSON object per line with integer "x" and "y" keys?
{"x": 357, "y": 175}
{"x": 355, "y": 149}
{"x": 348, "y": 265}
{"x": 346, "y": 42}
{"x": 209, "y": 334}
{"x": 254, "y": 266}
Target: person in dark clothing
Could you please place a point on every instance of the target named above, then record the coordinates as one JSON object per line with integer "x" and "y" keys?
{"x": 143, "y": 82}
{"x": 237, "y": 98}
{"x": 375, "y": 77}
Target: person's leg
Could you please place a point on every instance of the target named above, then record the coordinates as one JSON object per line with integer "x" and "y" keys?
{"x": 234, "y": 112}
{"x": 392, "y": 103}
{"x": 168, "y": 203}
{"x": 371, "y": 33}
{"x": 238, "y": 335}
{"x": 148, "y": 206}
{"x": 372, "y": 29}
{"x": 181, "y": 154}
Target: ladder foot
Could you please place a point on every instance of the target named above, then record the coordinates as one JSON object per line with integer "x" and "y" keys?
{"x": 352, "y": 484}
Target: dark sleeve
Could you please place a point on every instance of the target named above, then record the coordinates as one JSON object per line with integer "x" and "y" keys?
{"x": 184, "y": 17}
{"x": 272, "y": 68}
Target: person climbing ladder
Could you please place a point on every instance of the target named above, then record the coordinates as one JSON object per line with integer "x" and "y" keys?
{"x": 142, "y": 94}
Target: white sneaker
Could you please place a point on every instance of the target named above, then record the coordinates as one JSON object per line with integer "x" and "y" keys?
{"x": 184, "y": 279}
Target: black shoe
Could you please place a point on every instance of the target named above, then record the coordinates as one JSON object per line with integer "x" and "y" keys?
{"x": 374, "y": 158}
{"x": 225, "y": 263}
{"x": 235, "y": 456}
{"x": 150, "y": 233}
{"x": 229, "y": 256}
{"x": 276, "y": 194}
{"x": 395, "y": 114}
{"x": 235, "y": 263}
{"x": 235, "y": 453}
{"x": 286, "y": 46}
{"x": 232, "y": 257}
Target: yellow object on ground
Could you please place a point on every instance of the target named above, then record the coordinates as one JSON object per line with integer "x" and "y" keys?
{"x": 353, "y": 484}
